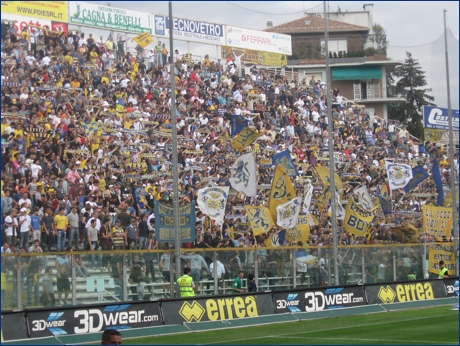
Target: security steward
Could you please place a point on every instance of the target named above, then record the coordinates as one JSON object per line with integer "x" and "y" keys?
{"x": 443, "y": 271}
{"x": 185, "y": 283}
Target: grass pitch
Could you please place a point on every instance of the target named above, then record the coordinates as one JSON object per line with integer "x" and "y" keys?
{"x": 425, "y": 326}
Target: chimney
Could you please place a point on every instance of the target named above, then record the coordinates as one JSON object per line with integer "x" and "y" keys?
{"x": 269, "y": 24}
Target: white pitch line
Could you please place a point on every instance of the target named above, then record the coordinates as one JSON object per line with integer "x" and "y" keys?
{"x": 355, "y": 339}
{"x": 322, "y": 330}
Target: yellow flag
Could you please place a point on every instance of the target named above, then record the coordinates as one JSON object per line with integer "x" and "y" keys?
{"x": 407, "y": 233}
{"x": 231, "y": 232}
{"x": 301, "y": 232}
{"x": 433, "y": 135}
{"x": 244, "y": 138}
{"x": 281, "y": 191}
{"x": 143, "y": 40}
{"x": 357, "y": 220}
{"x": 260, "y": 219}
{"x": 325, "y": 175}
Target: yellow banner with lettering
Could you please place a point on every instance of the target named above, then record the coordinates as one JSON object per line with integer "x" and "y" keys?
{"x": 51, "y": 10}
{"x": 437, "y": 221}
{"x": 442, "y": 252}
{"x": 301, "y": 232}
{"x": 357, "y": 220}
{"x": 256, "y": 57}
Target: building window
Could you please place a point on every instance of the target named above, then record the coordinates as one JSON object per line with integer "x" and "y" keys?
{"x": 335, "y": 46}
{"x": 366, "y": 89}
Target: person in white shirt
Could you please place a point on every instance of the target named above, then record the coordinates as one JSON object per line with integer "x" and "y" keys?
{"x": 11, "y": 229}
{"x": 25, "y": 228}
{"x": 25, "y": 202}
{"x": 45, "y": 61}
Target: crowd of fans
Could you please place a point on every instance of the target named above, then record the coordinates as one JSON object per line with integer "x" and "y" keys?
{"x": 86, "y": 143}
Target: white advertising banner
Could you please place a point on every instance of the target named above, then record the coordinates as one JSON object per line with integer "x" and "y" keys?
{"x": 21, "y": 22}
{"x": 258, "y": 40}
{"x": 191, "y": 30}
{"x": 105, "y": 17}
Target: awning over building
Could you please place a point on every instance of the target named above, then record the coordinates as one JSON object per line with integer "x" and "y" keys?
{"x": 356, "y": 72}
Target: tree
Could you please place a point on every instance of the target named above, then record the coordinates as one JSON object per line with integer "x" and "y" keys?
{"x": 379, "y": 38}
{"x": 411, "y": 80}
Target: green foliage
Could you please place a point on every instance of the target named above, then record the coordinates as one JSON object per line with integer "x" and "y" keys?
{"x": 379, "y": 38}
{"x": 370, "y": 51}
{"x": 411, "y": 80}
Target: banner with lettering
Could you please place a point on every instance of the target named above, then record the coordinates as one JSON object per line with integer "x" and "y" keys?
{"x": 442, "y": 252}
{"x": 164, "y": 222}
{"x": 357, "y": 220}
{"x": 437, "y": 221}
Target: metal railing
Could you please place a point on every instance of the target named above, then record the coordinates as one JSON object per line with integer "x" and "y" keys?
{"x": 273, "y": 268}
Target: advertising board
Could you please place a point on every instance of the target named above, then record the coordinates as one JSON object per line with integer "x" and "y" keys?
{"x": 318, "y": 299}
{"x": 190, "y": 30}
{"x": 105, "y": 17}
{"x": 405, "y": 292}
{"x": 92, "y": 319}
{"x": 216, "y": 308}
{"x": 438, "y": 118}
{"x": 49, "y": 10}
{"x": 258, "y": 40}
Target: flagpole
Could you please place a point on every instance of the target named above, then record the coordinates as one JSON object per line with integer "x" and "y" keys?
{"x": 177, "y": 242}
{"x": 453, "y": 176}
{"x": 331, "y": 151}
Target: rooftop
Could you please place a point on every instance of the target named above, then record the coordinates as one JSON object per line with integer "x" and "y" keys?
{"x": 313, "y": 24}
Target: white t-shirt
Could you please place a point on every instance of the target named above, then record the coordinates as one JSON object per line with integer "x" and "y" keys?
{"x": 9, "y": 230}
{"x": 25, "y": 225}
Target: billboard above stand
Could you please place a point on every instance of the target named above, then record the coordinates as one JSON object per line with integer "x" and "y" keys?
{"x": 190, "y": 30}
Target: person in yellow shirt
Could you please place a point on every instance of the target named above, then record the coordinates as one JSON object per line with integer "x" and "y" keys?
{"x": 206, "y": 61}
{"x": 61, "y": 223}
{"x": 93, "y": 55}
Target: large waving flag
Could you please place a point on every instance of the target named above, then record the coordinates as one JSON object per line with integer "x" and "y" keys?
{"x": 212, "y": 201}
{"x": 243, "y": 175}
{"x": 357, "y": 220}
{"x": 92, "y": 128}
{"x": 301, "y": 232}
{"x": 399, "y": 174}
{"x": 238, "y": 124}
{"x": 281, "y": 190}
{"x": 364, "y": 198}
{"x": 438, "y": 182}
{"x": 246, "y": 137}
{"x": 276, "y": 239}
{"x": 260, "y": 219}
{"x": 418, "y": 175}
{"x": 284, "y": 160}
{"x": 288, "y": 213}
{"x": 382, "y": 193}
{"x": 325, "y": 176}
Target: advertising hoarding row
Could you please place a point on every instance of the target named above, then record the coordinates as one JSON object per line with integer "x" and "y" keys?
{"x": 78, "y": 320}
{"x": 272, "y": 47}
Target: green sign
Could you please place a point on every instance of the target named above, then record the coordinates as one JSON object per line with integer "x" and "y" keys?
{"x": 111, "y": 18}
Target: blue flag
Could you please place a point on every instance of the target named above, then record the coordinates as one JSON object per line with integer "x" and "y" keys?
{"x": 285, "y": 161}
{"x": 384, "y": 203}
{"x": 418, "y": 175}
{"x": 238, "y": 124}
{"x": 438, "y": 182}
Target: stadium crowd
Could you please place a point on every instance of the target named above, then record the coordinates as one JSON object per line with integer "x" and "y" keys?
{"x": 86, "y": 144}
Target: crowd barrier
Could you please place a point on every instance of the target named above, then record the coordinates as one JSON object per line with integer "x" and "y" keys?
{"x": 42, "y": 323}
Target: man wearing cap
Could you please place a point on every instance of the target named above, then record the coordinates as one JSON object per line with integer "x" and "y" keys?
{"x": 25, "y": 228}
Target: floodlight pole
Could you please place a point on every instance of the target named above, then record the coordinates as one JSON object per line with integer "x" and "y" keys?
{"x": 330, "y": 129}
{"x": 453, "y": 175}
{"x": 177, "y": 233}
